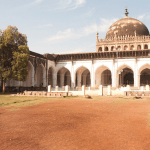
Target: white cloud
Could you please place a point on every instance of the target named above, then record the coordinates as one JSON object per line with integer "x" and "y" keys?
{"x": 85, "y": 31}
{"x": 66, "y": 3}
{"x": 141, "y": 17}
{"x": 89, "y": 13}
{"x": 80, "y": 2}
{"x": 62, "y": 35}
{"x": 36, "y": 2}
{"x": 70, "y": 4}
{"x": 144, "y": 16}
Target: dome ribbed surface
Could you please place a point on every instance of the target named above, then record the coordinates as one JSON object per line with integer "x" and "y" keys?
{"x": 127, "y": 26}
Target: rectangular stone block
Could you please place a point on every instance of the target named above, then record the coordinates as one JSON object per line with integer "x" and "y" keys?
{"x": 100, "y": 90}
{"x": 49, "y": 88}
{"x": 128, "y": 87}
{"x": 67, "y": 88}
{"x": 147, "y": 87}
{"x": 89, "y": 88}
{"x": 56, "y": 88}
{"x": 108, "y": 90}
{"x": 83, "y": 89}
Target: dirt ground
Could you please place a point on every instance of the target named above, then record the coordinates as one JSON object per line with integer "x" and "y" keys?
{"x": 75, "y": 124}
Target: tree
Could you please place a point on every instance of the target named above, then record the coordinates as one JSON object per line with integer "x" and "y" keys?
{"x": 14, "y": 55}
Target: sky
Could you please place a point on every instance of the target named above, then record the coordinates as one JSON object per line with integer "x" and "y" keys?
{"x": 68, "y": 26}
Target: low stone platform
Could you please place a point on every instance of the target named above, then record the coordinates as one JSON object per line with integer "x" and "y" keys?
{"x": 44, "y": 93}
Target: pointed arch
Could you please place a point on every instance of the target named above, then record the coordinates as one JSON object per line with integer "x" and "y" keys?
{"x": 82, "y": 76}
{"x": 145, "y": 66}
{"x": 30, "y": 77}
{"x": 50, "y": 76}
{"x": 125, "y": 75}
{"x": 41, "y": 76}
{"x": 63, "y": 77}
{"x": 103, "y": 76}
{"x": 144, "y": 75}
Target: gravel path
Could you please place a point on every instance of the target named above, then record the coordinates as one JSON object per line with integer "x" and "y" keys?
{"x": 76, "y": 124}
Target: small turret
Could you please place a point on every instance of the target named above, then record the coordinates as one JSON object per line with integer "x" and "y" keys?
{"x": 97, "y": 36}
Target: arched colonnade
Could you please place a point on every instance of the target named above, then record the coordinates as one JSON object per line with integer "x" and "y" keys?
{"x": 82, "y": 76}
{"x": 124, "y": 47}
{"x": 103, "y": 76}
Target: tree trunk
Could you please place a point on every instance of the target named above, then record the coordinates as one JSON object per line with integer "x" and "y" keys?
{"x": 3, "y": 86}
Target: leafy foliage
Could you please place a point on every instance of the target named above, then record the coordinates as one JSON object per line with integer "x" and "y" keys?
{"x": 14, "y": 54}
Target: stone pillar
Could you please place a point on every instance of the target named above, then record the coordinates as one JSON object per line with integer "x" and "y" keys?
{"x": 113, "y": 74}
{"x": 128, "y": 46}
{"x": 100, "y": 90}
{"x": 83, "y": 89}
{"x": 142, "y": 88}
{"x": 67, "y": 88}
{"x": 44, "y": 77}
{"x": 128, "y": 87}
{"x": 49, "y": 88}
{"x": 84, "y": 79}
{"x": 72, "y": 76}
{"x": 147, "y": 87}
{"x": 56, "y": 88}
{"x": 108, "y": 90}
{"x": 79, "y": 79}
{"x": 142, "y": 46}
{"x": 135, "y": 71}
{"x": 148, "y": 45}
{"x": 32, "y": 74}
{"x": 103, "y": 48}
{"x": 55, "y": 79}
{"x": 122, "y": 47}
{"x": 92, "y": 74}
{"x": 61, "y": 80}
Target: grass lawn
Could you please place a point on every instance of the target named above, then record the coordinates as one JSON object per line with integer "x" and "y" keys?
{"x": 22, "y": 101}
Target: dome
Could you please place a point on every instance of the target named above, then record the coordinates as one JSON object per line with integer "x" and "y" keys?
{"x": 127, "y": 26}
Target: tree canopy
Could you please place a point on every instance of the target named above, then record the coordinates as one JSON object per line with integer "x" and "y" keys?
{"x": 14, "y": 55}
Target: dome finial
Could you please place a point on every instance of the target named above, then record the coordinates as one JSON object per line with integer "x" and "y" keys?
{"x": 126, "y": 12}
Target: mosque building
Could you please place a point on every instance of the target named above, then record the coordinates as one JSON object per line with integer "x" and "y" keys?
{"x": 122, "y": 58}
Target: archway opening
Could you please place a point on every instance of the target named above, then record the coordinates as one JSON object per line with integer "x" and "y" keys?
{"x": 106, "y": 48}
{"x": 126, "y": 77}
{"x": 132, "y": 47}
{"x": 28, "y": 82}
{"x": 139, "y": 47}
{"x": 67, "y": 78}
{"x": 40, "y": 75}
{"x": 83, "y": 77}
{"x": 145, "y": 46}
{"x": 63, "y": 77}
{"x": 112, "y": 48}
{"x": 125, "y": 47}
{"x": 100, "y": 49}
{"x": 50, "y": 76}
{"x": 145, "y": 77}
{"x": 103, "y": 76}
{"x": 106, "y": 78}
